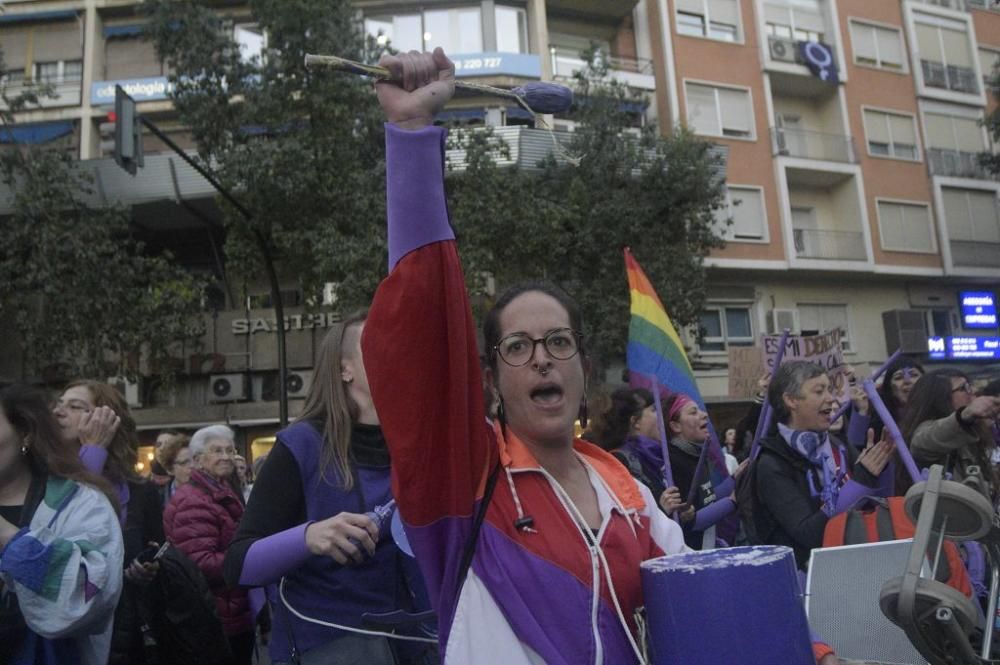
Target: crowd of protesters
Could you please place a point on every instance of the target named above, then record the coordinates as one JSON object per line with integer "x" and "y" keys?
{"x": 400, "y": 520}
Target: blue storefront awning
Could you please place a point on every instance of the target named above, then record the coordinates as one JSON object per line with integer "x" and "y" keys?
{"x": 123, "y": 31}
{"x": 60, "y": 15}
{"x": 35, "y": 134}
{"x": 519, "y": 113}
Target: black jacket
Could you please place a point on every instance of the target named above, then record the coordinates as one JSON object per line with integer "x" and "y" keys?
{"x": 784, "y": 511}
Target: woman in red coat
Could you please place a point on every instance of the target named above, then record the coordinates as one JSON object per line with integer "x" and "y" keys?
{"x": 201, "y": 520}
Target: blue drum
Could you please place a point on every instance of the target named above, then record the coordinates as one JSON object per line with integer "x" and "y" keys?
{"x": 736, "y": 605}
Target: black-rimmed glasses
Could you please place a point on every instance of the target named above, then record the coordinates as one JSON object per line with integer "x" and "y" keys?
{"x": 516, "y": 349}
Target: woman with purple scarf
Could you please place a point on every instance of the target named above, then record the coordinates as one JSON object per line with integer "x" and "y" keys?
{"x": 805, "y": 476}
{"x": 629, "y": 431}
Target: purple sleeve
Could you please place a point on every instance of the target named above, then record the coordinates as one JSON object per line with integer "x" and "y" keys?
{"x": 268, "y": 559}
{"x": 712, "y": 513}
{"x": 726, "y": 487}
{"x": 850, "y": 494}
{"x": 418, "y": 215}
{"x": 93, "y": 458}
{"x": 857, "y": 429}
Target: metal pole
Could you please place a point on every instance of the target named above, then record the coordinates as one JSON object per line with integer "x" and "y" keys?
{"x": 265, "y": 250}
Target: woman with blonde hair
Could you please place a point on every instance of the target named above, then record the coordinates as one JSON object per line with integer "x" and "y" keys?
{"x": 308, "y": 524}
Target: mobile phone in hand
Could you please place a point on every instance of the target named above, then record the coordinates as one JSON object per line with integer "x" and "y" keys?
{"x": 152, "y": 553}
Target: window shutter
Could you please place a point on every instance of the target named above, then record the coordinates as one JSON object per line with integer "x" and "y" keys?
{"x": 957, "y": 48}
{"x": 701, "y": 110}
{"x": 917, "y": 227}
{"x": 939, "y": 133}
{"x": 58, "y": 41}
{"x": 956, "y": 211}
{"x": 747, "y": 211}
{"x": 724, "y": 11}
{"x": 969, "y": 135}
{"x": 928, "y": 45}
{"x": 736, "y": 113}
{"x": 876, "y": 128}
{"x": 983, "y": 209}
{"x": 863, "y": 41}
{"x": 901, "y": 127}
{"x": 890, "y": 46}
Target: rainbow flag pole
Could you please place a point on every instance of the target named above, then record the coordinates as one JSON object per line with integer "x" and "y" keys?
{"x": 655, "y": 353}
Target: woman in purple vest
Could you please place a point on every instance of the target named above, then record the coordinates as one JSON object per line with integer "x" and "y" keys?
{"x": 308, "y": 528}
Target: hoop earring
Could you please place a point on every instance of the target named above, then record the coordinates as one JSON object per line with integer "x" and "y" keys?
{"x": 582, "y": 415}
{"x": 24, "y": 449}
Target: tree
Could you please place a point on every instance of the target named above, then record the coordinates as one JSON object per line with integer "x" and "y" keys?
{"x": 84, "y": 296}
{"x": 304, "y": 149}
{"x": 657, "y": 194}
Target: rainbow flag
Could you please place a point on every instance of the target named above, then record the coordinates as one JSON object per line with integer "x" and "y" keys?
{"x": 655, "y": 350}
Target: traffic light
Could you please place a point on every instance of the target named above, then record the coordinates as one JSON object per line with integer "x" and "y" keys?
{"x": 128, "y": 132}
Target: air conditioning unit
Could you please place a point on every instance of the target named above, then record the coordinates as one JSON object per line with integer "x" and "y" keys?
{"x": 130, "y": 390}
{"x": 905, "y": 329}
{"x": 298, "y": 383}
{"x": 227, "y": 388}
{"x": 783, "y": 50}
{"x": 779, "y": 319}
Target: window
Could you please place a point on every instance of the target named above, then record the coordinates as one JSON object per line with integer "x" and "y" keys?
{"x": 946, "y": 55}
{"x": 877, "y": 46}
{"x": 723, "y": 326}
{"x": 890, "y": 134}
{"x": 745, "y": 205}
{"x": 715, "y": 111}
{"x": 54, "y": 73}
{"x": 952, "y": 132}
{"x": 972, "y": 215}
{"x": 819, "y": 319}
{"x": 905, "y": 227}
{"x": 402, "y": 33}
{"x": 512, "y": 29}
{"x": 251, "y": 41}
{"x": 716, "y": 19}
{"x": 798, "y": 20}
{"x": 988, "y": 61}
{"x": 457, "y": 30}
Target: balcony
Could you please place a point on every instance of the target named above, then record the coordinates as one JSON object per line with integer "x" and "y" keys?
{"x": 975, "y": 254}
{"x": 808, "y": 144}
{"x": 825, "y": 244}
{"x": 956, "y": 163}
{"x": 949, "y": 77}
{"x": 526, "y": 147}
{"x": 636, "y": 72}
{"x": 990, "y": 5}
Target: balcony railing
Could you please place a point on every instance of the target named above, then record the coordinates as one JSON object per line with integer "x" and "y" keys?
{"x": 812, "y": 145}
{"x": 65, "y": 93}
{"x": 991, "y": 5}
{"x": 824, "y": 244}
{"x": 949, "y": 77}
{"x": 956, "y": 163}
{"x": 975, "y": 254}
{"x": 637, "y": 72}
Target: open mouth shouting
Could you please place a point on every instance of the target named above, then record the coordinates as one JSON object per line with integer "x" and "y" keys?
{"x": 547, "y": 395}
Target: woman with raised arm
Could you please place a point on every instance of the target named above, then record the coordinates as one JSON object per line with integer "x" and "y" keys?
{"x": 60, "y": 542}
{"x": 530, "y": 540}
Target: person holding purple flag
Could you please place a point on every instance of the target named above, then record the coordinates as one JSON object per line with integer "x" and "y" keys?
{"x": 805, "y": 476}
{"x": 688, "y": 431}
{"x": 629, "y": 431}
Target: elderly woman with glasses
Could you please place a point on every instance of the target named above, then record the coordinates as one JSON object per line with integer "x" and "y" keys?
{"x": 201, "y": 520}
{"x": 945, "y": 423}
{"x": 530, "y": 539}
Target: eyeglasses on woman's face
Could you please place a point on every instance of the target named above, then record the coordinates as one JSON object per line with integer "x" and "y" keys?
{"x": 516, "y": 349}
{"x": 965, "y": 387}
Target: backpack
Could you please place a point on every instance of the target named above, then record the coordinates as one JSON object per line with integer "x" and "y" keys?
{"x": 746, "y": 492}
{"x": 888, "y": 521}
{"x": 183, "y": 615}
